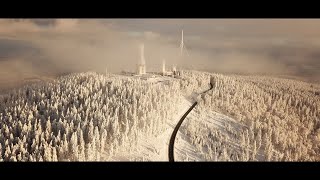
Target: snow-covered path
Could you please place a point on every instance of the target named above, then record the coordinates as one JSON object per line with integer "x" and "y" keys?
{"x": 172, "y": 140}
{"x": 156, "y": 148}
{"x": 153, "y": 148}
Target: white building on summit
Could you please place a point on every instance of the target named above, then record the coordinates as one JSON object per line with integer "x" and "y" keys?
{"x": 141, "y": 67}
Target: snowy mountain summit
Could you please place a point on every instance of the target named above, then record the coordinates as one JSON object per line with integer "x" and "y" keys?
{"x": 94, "y": 117}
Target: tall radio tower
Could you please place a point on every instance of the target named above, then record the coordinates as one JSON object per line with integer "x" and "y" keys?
{"x": 183, "y": 46}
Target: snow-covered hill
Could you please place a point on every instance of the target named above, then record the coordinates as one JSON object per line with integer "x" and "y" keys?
{"x": 94, "y": 117}
{"x": 82, "y": 116}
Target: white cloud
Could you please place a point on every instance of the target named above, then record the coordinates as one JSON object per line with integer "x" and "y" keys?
{"x": 10, "y": 27}
{"x": 94, "y": 43}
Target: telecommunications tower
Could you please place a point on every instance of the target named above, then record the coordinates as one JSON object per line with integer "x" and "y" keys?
{"x": 183, "y": 46}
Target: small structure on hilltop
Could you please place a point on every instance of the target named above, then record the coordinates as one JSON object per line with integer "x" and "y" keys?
{"x": 175, "y": 71}
{"x": 213, "y": 81}
{"x": 164, "y": 72}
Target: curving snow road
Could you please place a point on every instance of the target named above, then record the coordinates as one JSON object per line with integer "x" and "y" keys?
{"x": 175, "y": 131}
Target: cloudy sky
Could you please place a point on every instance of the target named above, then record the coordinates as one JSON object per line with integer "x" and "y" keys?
{"x": 265, "y": 46}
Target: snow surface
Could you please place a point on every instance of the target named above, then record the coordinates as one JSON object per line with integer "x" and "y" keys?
{"x": 205, "y": 135}
{"x": 184, "y": 149}
{"x": 153, "y": 149}
{"x": 156, "y": 149}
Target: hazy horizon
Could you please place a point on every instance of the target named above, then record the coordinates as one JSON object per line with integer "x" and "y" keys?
{"x": 229, "y": 96}
{"x": 47, "y": 47}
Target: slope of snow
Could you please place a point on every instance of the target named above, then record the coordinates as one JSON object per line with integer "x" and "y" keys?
{"x": 153, "y": 148}
{"x": 89, "y": 116}
{"x": 185, "y": 150}
{"x": 81, "y": 117}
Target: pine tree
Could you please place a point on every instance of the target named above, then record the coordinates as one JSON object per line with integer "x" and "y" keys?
{"x": 40, "y": 159}
{"x": 73, "y": 147}
{"x": 1, "y": 150}
{"x": 47, "y": 153}
{"x": 90, "y": 131}
{"x": 48, "y": 129}
{"x": 225, "y": 155}
{"x": 13, "y": 158}
{"x": 254, "y": 150}
{"x": 89, "y": 153}
{"x": 19, "y": 157}
{"x": 7, "y": 153}
{"x": 65, "y": 150}
{"x": 54, "y": 154}
{"x": 82, "y": 156}
{"x": 97, "y": 143}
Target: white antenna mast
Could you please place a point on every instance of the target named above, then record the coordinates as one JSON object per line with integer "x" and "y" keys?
{"x": 182, "y": 45}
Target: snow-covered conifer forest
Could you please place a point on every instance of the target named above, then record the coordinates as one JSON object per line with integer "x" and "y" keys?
{"x": 95, "y": 117}
{"x": 265, "y": 119}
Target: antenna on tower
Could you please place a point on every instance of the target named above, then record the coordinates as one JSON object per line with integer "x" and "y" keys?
{"x": 182, "y": 45}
